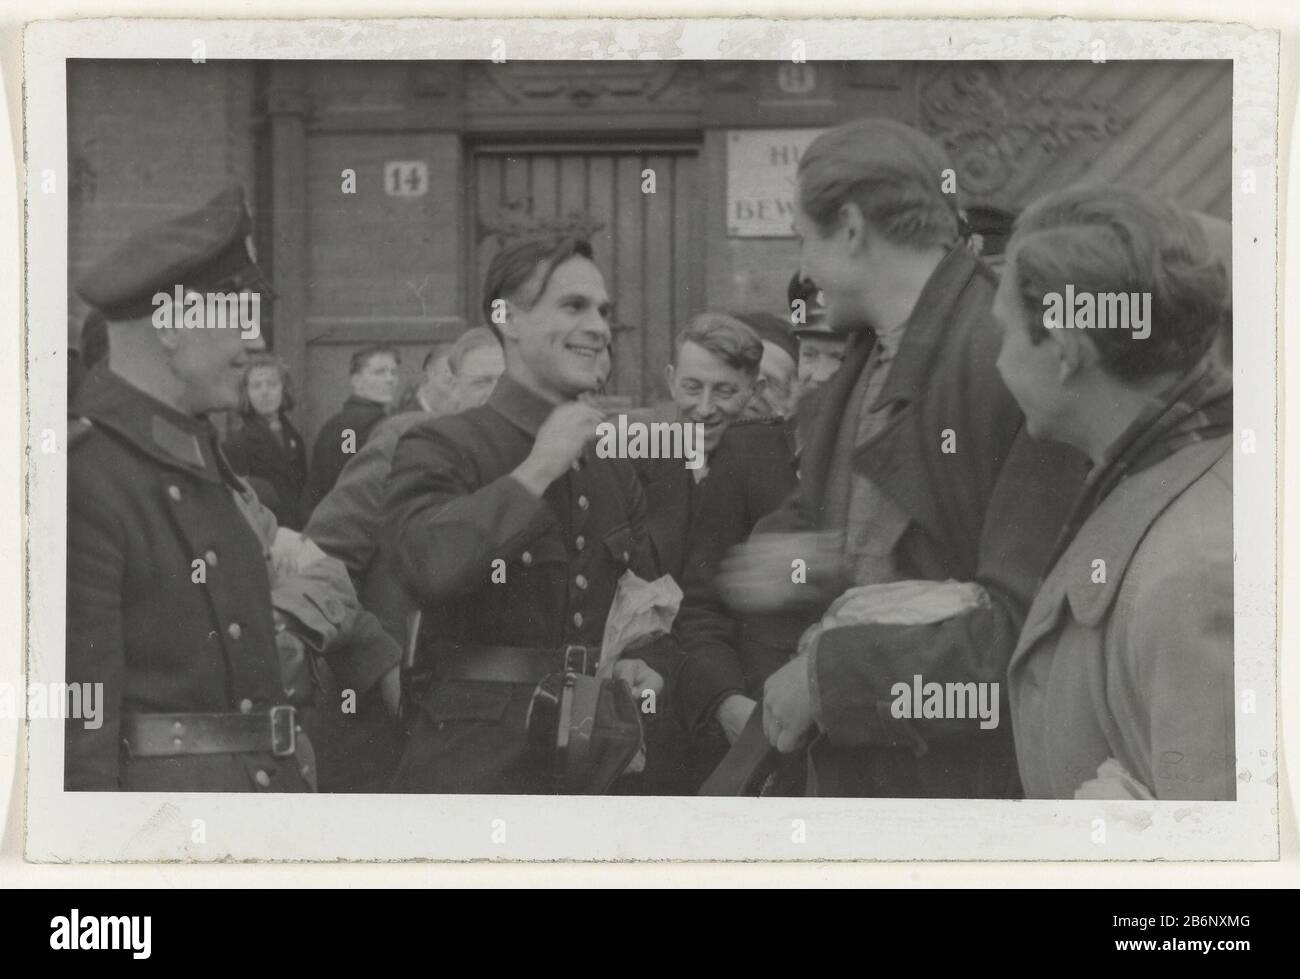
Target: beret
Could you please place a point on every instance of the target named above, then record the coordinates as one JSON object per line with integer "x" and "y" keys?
{"x": 203, "y": 250}
{"x": 771, "y": 329}
{"x": 815, "y": 322}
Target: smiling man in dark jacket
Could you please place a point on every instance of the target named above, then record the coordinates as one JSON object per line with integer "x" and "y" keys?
{"x": 510, "y": 532}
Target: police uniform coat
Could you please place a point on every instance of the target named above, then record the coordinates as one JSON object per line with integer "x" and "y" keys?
{"x": 171, "y": 587}
{"x": 454, "y": 516}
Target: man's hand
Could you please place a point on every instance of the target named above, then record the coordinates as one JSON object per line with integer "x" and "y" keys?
{"x": 787, "y": 706}
{"x": 291, "y": 552}
{"x": 639, "y": 677}
{"x": 760, "y": 574}
{"x": 559, "y": 443}
{"x": 733, "y": 714}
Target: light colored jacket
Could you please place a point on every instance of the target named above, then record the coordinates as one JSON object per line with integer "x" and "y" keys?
{"x": 1136, "y": 667}
{"x": 315, "y": 591}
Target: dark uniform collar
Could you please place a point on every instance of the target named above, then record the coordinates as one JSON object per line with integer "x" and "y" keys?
{"x": 172, "y": 437}
{"x": 523, "y": 408}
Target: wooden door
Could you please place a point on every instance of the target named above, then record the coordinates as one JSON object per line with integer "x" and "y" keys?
{"x": 648, "y": 245}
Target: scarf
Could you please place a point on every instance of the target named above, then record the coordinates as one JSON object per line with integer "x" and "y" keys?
{"x": 1197, "y": 408}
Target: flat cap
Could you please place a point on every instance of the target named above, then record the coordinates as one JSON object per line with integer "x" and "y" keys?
{"x": 206, "y": 250}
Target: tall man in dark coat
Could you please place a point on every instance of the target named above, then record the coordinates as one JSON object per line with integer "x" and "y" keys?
{"x": 372, "y": 373}
{"x": 183, "y": 600}
{"x": 509, "y": 530}
{"x": 360, "y": 751}
{"x": 916, "y": 468}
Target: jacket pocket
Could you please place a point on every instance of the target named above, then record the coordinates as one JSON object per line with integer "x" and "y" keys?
{"x": 619, "y": 544}
{"x": 467, "y": 700}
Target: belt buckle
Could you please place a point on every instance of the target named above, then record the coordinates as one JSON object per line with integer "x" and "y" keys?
{"x": 577, "y": 659}
{"x": 283, "y": 717}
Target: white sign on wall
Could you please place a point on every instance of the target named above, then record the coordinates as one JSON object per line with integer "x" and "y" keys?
{"x": 761, "y": 167}
{"x": 406, "y": 178}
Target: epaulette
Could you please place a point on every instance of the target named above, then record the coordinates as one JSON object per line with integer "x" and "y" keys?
{"x": 78, "y": 429}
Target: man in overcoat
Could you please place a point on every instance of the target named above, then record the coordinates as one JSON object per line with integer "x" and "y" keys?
{"x": 197, "y": 617}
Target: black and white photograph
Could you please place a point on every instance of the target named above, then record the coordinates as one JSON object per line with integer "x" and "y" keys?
{"x": 738, "y": 440}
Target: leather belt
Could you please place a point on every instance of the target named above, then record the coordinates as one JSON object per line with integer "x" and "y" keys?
{"x": 510, "y": 664}
{"x": 162, "y": 735}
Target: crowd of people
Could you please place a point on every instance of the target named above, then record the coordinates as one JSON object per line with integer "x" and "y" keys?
{"x": 912, "y": 475}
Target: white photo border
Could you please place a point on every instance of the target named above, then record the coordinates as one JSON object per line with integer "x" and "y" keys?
{"x": 156, "y": 827}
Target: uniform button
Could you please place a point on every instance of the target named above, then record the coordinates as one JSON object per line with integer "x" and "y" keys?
{"x": 575, "y": 465}
{"x": 577, "y": 619}
{"x": 245, "y": 706}
{"x": 210, "y": 557}
{"x": 583, "y": 502}
{"x": 178, "y": 728}
{"x": 625, "y": 557}
{"x": 580, "y": 542}
{"x": 177, "y": 742}
{"x": 262, "y": 779}
{"x": 235, "y": 630}
{"x": 581, "y": 582}
{"x": 526, "y": 558}
{"x": 175, "y": 493}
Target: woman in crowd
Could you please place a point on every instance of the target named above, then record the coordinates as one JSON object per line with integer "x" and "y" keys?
{"x": 266, "y": 448}
{"x": 1122, "y": 681}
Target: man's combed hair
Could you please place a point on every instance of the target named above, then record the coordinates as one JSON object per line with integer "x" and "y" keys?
{"x": 515, "y": 266}
{"x": 362, "y": 357}
{"x": 1109, "y": 240}
{"x": 892, "y": 172}
{"x": 727, "y": 338}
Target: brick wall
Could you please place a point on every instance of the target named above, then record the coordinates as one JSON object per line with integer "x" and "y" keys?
{"x": 147, "y": 141}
